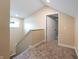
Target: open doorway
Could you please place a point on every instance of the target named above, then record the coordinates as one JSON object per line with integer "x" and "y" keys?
{"x": 52, "y": 28}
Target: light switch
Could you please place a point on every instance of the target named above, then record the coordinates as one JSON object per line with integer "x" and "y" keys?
{"x": 1, "y": 57}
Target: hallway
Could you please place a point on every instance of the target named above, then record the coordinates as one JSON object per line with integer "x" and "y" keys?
{"x": 49, "y": 50}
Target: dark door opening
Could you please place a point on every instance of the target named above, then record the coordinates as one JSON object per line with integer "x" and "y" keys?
{"x": 52, "y": 27}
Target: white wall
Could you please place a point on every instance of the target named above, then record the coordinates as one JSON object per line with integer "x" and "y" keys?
{"x": 16, "y": 34}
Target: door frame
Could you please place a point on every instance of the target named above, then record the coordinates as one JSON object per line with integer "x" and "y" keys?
{"x": 47, "y": 24}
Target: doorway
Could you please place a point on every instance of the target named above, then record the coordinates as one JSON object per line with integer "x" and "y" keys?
{"x": 52, "y": 28}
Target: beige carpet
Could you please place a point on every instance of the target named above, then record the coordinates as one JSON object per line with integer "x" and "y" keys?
{"x": 49, "y": 50}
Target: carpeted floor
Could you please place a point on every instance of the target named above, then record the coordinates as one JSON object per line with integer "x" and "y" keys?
{"x": 49, "y": 50}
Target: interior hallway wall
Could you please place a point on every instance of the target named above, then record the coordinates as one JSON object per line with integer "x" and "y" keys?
{"x": 66, "y": 30}
{"x": 38, "y": 19}
{"x": 4, "y": 28}
{"x": 66, "y": 25}
{"x": 16, "y": 34}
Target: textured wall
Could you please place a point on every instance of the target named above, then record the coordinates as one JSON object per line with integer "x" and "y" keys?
{"x": 4, "y": 28}
{"x": 66, "y": 30}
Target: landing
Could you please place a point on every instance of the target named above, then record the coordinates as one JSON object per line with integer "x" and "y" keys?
{"x": 48, "y": 50}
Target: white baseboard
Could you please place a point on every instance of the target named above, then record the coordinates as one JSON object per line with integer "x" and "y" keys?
{"x": 76, "y": 52}
{"x": 68, "y": 46}
{"x": 32, "y": 46}
{"x": 13, "y": 54}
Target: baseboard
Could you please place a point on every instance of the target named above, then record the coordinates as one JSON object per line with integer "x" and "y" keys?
{"x": 32, "y": 46}
{"x": 13, "y": 54}
{"x": 68, "y": 46}
{"x": 76, "y": 52}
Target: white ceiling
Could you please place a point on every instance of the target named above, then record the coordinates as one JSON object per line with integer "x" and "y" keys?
{"x": 25, "y": 8}
{"x": 66, "y": 6}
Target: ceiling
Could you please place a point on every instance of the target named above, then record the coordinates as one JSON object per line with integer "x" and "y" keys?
{"x": 25, "y": 8}
{"x": 66, "y": 6}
